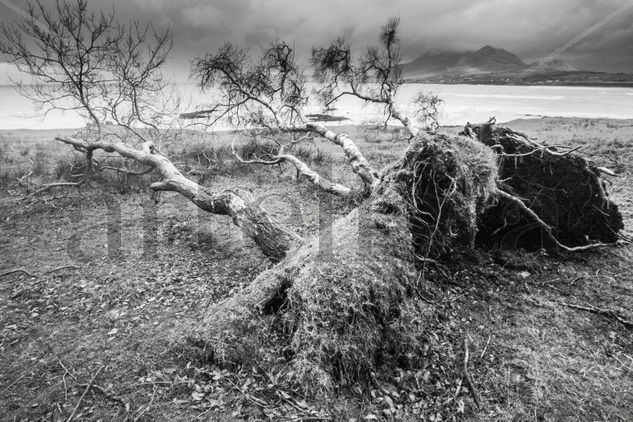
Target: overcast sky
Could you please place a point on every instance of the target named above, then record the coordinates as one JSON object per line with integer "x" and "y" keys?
{"x": 532, "y": 29}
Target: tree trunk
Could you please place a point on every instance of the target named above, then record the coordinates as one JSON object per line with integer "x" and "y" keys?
{"x": 325, "y": 315}
{"x": 274, "y": 239}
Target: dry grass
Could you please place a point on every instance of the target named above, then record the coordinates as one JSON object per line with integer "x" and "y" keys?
{"x": 31, "y": 159}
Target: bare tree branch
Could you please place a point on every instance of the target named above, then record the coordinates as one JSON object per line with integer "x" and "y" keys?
{"x": 110, "y": 71}
{"x": 269, "y": 94}
{"x": 319, "y": 181}
{"x": 374, "y": 78}
{"x": 357, "y": 160}
{"x": 273, "y": 238}
{"x": 302, "y": 168}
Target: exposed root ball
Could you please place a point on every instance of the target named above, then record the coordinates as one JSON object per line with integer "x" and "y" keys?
{"x": 337, "y": 316}
{"x": 450, "y": 182}
{"x": 564, "y": 189}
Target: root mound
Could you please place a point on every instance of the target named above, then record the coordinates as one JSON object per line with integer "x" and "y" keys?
{"x": 336, "y": 316}
{"x": 563, "y": 188}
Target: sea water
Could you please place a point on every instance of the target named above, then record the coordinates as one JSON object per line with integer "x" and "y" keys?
{"x": 460, "y": 104}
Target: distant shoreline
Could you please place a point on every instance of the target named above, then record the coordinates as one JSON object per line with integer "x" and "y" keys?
{"x": 43, "y": 133}
{"x": 423, "y": 81}
{"x": 461, "y": 102}
{"x": 515, "y": 83}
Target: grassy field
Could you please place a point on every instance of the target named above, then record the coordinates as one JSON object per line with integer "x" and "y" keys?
{"x": 113, "y": 281}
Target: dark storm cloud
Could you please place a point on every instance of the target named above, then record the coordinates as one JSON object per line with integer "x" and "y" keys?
{"x": 530, "y": 28}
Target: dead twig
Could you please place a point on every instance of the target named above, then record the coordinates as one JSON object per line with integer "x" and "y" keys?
{"x": 74, "y": 267}
{"x": 483, "y": 352}
{"x": 146, "y": 409}
{"x": 610, "y": 313}
{"x": 72, "y": 415}
{"x": 469, "y": 378}
{"x": 111, "y": 396}
{"x": 12, "y": 384}
{"x": 22, "y": 270}
{"x": 107, "y": 393}
{"x": 56, "y": 185}
{"x": 64, "y": 381}
{"x": 128, "y": 172}
{"x": 541, "y": 150}
{"x": 18, "y": 270}
{"x": 256, "y": 400}
{"x": 67, "y": 371}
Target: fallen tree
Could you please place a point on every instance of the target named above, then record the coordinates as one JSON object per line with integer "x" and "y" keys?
{"x": 317, "y": 319}
{"x": 319, "y": 316}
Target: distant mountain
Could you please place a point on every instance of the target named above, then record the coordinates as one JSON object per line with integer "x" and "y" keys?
{"x": 492, "y": 59}
{"x": 433, "y": 62}
{"x": 485, "y": 60}
{"x": 490, "y": 65}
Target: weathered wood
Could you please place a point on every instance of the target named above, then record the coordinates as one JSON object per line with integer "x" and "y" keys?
{"x": 273, "y": 238}
{"x": 316, "y": 179}
{"x": 357, "y": 160}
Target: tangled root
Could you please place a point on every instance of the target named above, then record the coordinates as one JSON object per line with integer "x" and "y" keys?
{"x": 562, "y": 188}
{"x": 450, "y": 182}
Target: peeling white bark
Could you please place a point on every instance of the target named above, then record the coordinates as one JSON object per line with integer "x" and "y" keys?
{"x": 273, "y": 238}
{"x": 316, "y": 179}
{"x": 357, "y": 160}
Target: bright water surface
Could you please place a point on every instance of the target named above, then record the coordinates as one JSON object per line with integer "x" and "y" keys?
{"x": 462, "y": 103}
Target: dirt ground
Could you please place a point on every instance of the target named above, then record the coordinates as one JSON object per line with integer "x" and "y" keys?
{"x": 94, "y": 324}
